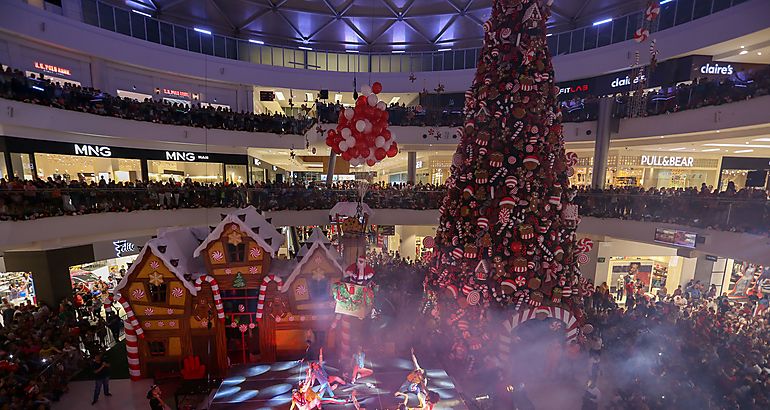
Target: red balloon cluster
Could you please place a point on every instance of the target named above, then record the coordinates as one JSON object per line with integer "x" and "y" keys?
{"x": 362, "y": 135}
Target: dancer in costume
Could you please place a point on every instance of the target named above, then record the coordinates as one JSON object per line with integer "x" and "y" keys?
{"x": 317, "y": 372}
{"x": 304, "y": 398}
{"x": 416, "y": 382}
{"x": 359, "y": 365}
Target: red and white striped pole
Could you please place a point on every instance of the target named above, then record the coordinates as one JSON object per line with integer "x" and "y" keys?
{"x": 132, "y": 352}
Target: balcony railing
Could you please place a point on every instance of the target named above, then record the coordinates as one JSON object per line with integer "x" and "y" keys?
{"x": 123, "y": 21}
{"x": 751, "y": 215}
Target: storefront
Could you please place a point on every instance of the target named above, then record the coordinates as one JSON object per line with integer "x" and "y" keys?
{"x": 743, "y": 172}
{"x": 18, "y": 288}
{"x": 111, "y": 261}
{"x": 26, "y": 158}
{"x": 652, "y": 273}
{"x": 650, "y": 170}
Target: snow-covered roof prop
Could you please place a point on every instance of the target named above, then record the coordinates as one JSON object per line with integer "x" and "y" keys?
{"x": 253, "y": 224}
{"x": 175, "y": 248}
{"x": 349, "y": 209}
{"x": 317, "y": 246}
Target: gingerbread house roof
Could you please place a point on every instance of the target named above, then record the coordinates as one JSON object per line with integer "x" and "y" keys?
{"x": 175, "y": 248}
{"x": 348, "y": 209}
{"x": 253, "y": 224}
{"x": 316, "y": 243}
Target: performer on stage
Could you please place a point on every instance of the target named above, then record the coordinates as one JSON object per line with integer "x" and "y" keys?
{"x": 416, "y": 382}
{"x": 359, "y": 365}
{"x": 317, "y": 371}
{"x": 304, "y": 398}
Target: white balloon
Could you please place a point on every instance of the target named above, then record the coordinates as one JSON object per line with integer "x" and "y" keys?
{"x": 366, "y": 89}
{"x": 372, "y": 99}
{"x": 344, "y": 146}
{"x": 356, "y": 162}
{"x": 351, "y": 140}
{"x": 367, "y": 126}
{"x": 379, "y": 142}
{"x": 345, "y": 133}
{"x": 382, "y": 106}
{"x": 388, "y": 143}
{"x": 349, "y": 113}
{"x": 371, "y": 154}
{"x": 360, "y": 125}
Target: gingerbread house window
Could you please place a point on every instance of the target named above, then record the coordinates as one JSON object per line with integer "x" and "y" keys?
{"x": 158, "y": 293}
{"x": 236, "y": 252}
{"x": 156, "y": 348}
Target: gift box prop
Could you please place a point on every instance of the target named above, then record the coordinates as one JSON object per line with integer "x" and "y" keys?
{"x": 354, "y": 297}
{"x": 351, "y": 220}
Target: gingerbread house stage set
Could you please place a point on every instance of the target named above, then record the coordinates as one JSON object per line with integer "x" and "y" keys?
{"x": 222, "y": 295}
{"x": 165, "y": 321}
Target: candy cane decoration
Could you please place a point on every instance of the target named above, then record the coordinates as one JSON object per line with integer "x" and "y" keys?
{"x": 130, "y": 317}
{"x": 132, "y": 351}
{"x": 263, "y": 291}
{"x": 215, "y": 291}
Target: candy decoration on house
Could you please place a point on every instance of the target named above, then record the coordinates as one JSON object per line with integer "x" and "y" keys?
{"x": 239, "y": 282}
{"x": 263, "y": 292}
{"x": 214, "y": 290}
{"x": 132, "y": 352}
{"x": 362, "y": 135}
{"x": 508, "y": 186}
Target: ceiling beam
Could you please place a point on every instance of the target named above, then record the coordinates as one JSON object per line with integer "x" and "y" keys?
{"x": 357, "y": 31}
{"x": 323, "y": 26}
{"x": 384, "y": 30}
{"x": 224, "y": 15}
{"x": 257, "y": 14}
{"x": 445, "y": 28}
{"x": 581, "y": 9}
{"x": 171, "y": 5}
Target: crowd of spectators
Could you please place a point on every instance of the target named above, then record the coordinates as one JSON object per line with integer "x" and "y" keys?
{"x": 745, "y": 210}
{"x": 401, "y": 115}
{"x": 687, "y": 350}
{"x": 22, "y": 200}
{"x": 14, "y": 85}
{"x": 41, "y": 348}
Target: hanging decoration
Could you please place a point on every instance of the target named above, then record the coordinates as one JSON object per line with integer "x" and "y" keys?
{"x": 362, "y": 135}
{"x": 352, "y": 299}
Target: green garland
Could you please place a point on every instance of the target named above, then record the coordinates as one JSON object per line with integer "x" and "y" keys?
{"x": 363, "y": 295}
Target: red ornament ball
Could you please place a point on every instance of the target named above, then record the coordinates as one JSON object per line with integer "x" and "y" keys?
{"x": 376, "y": 87}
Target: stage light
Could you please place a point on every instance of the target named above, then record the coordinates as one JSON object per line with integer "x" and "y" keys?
{"x": 226, "y": 392}
{"x": 600, "y": 22}
{"x": 305, "y": 48}
{"x": 256, "y": 41}
{"x": 232, "y": 381}
{"x": 202, "y": 31}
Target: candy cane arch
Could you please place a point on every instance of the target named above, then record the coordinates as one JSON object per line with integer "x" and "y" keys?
{"x": 526, "y": 314}
{"x": 132, "y": 351}
{"x": 130, "y": 317}
{"x": 214, "y": 290}
{"x": 263, "y": 291}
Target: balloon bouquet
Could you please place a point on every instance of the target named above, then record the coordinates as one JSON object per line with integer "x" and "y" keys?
{"x": 362, "y": 135}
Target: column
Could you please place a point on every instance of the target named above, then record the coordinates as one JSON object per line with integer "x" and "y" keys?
{"x": 330, "y": 168}
{"x": 602, "y": 142}
{"x": 411, "y": 167}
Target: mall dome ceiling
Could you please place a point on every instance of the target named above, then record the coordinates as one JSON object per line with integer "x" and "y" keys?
{"x": 366, "y": 25}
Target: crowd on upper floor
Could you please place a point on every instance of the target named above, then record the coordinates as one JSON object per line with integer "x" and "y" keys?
{"x": 14, "y": 85}
{"x": 400, "y": 115}
{"x": 42, "y": 348}
{"x": 745, "y": 210}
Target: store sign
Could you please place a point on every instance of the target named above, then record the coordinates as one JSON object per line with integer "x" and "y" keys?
{"x": 666, "y": 161}
{"x": 716, "y": 69}
{"x": 257, "y": 162}
{"x": 576, "y": 89}
{"x": 626, "y": 81}
{"x": 185, "y": 156}
{"x": 675, "y": 237}
{"x": 177, "y": 93}
{"x": 52, "y": 69}
{"x": 92, "y": 150}
{"x": 418, "y": 164}
{"x": 124, "y": 247}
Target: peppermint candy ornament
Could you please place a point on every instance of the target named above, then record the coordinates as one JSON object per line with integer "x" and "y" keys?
{"x": 255, "y": 252}
{"x": 137, "y": 294}
{"x": 217, "y": 255}
{"x": 583, "y": 258}
{"x": 177, "y": 292}
{"x": 585, "y": 245}
{"x": 473, "y": 298}
{"x": 154, "y": 265}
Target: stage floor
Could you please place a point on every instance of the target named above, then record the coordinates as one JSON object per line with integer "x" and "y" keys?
{"x": 268, "y": 386}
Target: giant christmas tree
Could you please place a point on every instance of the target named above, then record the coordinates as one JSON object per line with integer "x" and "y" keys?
{"x": 506, "y": 239}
